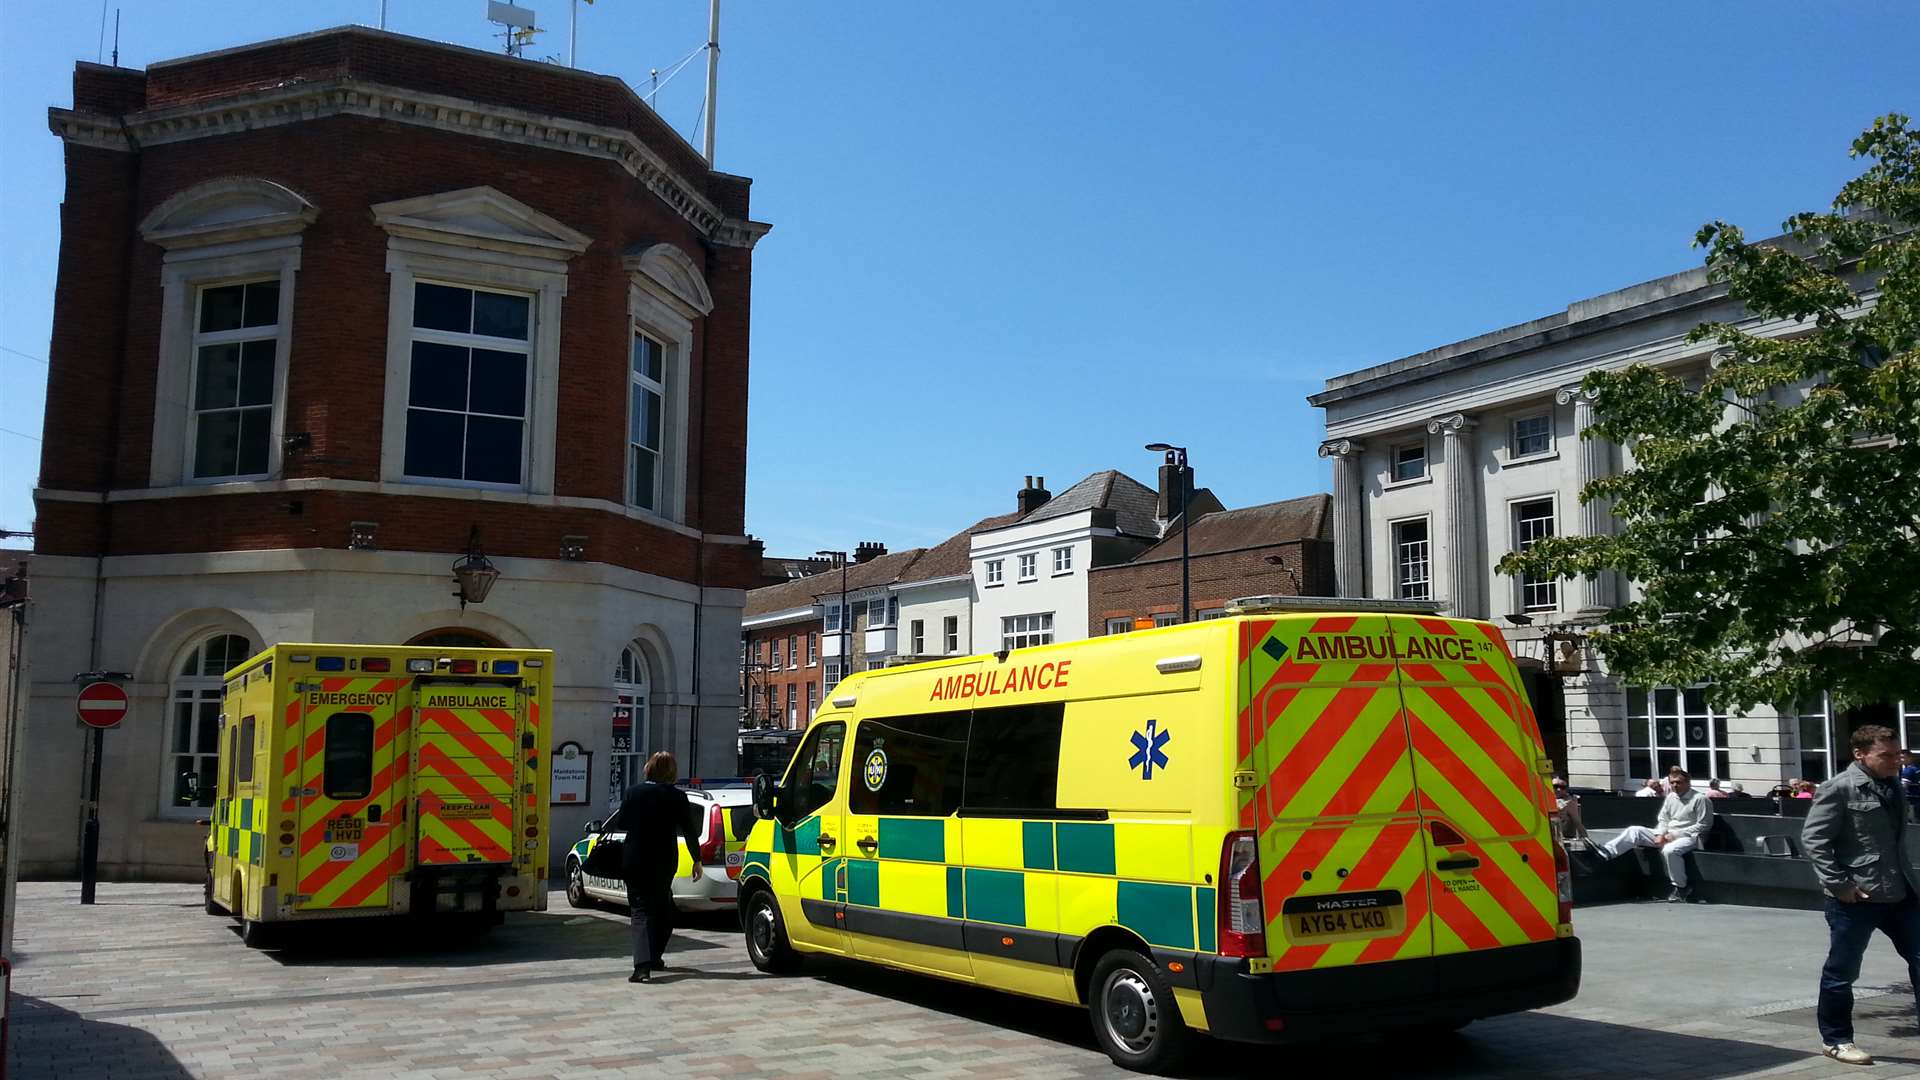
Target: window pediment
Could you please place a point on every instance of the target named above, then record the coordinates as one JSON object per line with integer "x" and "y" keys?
{"x": 482, "y": 218}
{"x": 673, "y": 272}
{"x": 226, "y": 210}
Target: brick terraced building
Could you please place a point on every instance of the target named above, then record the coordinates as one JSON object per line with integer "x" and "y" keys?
{"x": 331, "y": 311}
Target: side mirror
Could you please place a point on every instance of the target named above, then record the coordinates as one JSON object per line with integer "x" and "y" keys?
{"x": 592, "y": 827}
{"x": 191, "y": 782}
{"x": 763, "y": 796}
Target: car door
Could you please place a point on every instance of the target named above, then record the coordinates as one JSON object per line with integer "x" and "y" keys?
{"x": 612, "y": 834}
{"x": 809, "y": 837}
{"x": 903, "y": 896}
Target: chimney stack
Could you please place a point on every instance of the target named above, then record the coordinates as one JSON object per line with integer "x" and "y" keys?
{"x": 1170, "y": 501}
{"x": 867, "y": 551}
{"x": 1034, "y": 495}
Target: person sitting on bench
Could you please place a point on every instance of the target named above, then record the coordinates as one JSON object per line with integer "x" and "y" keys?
{"x": 1684, "y": 820}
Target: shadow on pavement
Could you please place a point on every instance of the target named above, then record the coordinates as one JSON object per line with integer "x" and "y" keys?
{"x": 1882, "y": 1024}
{"x": 1527, "y": 1044}
{"x": 45, "y": 1040}
{"x": 402, "y": 942}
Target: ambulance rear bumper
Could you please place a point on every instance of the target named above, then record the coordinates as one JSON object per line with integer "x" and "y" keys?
{"x": 1305, "y": 1006}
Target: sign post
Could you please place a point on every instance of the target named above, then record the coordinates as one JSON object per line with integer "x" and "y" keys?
{"x": 101, "y": 705}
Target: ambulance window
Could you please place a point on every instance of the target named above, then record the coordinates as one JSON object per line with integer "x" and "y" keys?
{"x": 233, "y": 757}
{"x": 243, "y": 762}
{"x": 347, "y": 771}
{"x": 909, "y": 765}
{"x": 1013, "y": 757}
{"x": 816, "y": 771}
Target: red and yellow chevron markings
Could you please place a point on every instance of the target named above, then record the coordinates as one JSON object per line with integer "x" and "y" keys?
{"x": 1357, "y": 761}
{"x": 345, "y": 860}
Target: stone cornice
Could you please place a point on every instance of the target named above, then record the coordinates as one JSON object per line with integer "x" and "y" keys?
{"x": 299, "y": 102}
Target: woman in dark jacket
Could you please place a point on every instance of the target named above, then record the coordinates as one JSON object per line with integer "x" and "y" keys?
{"x": 653, "y": 811}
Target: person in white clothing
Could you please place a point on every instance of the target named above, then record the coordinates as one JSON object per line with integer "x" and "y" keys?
{"x": 1683, "y": 822}
{"x": 1652, "y": 789}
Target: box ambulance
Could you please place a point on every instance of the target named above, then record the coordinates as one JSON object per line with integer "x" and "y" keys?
{"x": 364, "y": 780}
{"x": 1287, "y": 824}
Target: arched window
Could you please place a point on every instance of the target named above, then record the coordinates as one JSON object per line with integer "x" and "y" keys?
{"x": 628, "y": 750}
{"x": 455, "y": 637}
{"x": 193, "y": 722}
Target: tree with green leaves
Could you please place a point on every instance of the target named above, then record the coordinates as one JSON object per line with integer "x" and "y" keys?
{"x": 1770, "y": 514}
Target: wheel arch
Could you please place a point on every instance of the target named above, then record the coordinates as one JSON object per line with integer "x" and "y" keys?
{"x": 1097, "y": 944}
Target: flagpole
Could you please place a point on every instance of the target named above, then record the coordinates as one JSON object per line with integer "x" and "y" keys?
{"x": 713, "y": 72}
{"x": 573, "y": 31}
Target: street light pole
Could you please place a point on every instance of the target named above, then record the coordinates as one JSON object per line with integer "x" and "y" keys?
{"x": 1176, "y": 456}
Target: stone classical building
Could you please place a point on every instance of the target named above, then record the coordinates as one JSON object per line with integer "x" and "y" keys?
{"x": 336, "y": 310}
{"x": 1446, "y": 460}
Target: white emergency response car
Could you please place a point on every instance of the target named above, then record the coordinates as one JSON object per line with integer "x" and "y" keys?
{"x": 726, "y": 816}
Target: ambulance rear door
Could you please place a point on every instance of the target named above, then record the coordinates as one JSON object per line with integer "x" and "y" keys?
{"x": 1477, "y": 758}
{"x": 465, "y": 735}
{"x": 1331, "y": 796}
{"x": 350, "y": 762}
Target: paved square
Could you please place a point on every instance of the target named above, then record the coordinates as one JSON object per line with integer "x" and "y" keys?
{"x": 144, "y": 984}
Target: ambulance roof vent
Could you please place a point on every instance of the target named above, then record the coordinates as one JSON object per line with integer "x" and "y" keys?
{"x": 1251, "y": 605}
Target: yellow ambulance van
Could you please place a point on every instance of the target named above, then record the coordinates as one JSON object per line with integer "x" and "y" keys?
{"x": 362, "y": 780}
{"x": 1283, "y": 825}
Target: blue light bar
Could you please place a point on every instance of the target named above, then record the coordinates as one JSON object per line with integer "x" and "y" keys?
{"x": 506, "y": 667}
{"x": 330, "y": 663}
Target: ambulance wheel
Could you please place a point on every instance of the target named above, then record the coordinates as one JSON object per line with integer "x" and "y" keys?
{"x": 259, "y": 935}
{"x": 767, "y": 944}
{"x": 577, "y": 887}
{"x": 1135, "y": 1019}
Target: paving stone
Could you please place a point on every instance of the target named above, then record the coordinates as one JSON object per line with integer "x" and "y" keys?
{"x": 143, "y": 986}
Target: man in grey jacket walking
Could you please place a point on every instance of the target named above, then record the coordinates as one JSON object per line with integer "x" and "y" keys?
{"x": 1855, "y": 837}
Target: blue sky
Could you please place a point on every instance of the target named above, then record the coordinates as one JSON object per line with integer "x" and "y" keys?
{"x": 1017, "y": 238}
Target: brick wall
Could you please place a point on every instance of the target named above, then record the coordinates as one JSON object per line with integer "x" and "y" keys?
{"x": 779, "y": 680}
{"x": 1138, "y": 590}
{"x": 102, "y": 396}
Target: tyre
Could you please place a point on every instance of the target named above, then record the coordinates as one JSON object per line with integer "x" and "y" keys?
{"x": 766, "y": 932}
{"x": 577, "y": 887}
{"x": 259, "y": 935}
{"x": 1135, "y": 1019}
{"x": 213, "y": 906}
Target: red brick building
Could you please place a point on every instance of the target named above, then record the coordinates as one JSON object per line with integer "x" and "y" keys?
{"x": 331, "y": 309}
{"x": 1277, "y": 549}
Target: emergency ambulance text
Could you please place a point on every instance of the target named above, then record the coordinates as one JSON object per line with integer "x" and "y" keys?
{"x": 1381, "y": 647}
{"x": 1047, "y": 676}
{"x": 342, "y": 697}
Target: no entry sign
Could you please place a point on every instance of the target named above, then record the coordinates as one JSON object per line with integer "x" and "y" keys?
{"x": 101, "y": 705}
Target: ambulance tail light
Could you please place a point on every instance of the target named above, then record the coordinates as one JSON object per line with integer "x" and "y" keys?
{"x": 1243, "y": 919}
{"x": 713, "y": 849}
{"x": 464, "y": 667}
{"x": 1563, "y": 877}
{"x": 376, "y": 663}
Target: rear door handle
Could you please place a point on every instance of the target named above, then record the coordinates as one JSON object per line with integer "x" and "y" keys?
{"x": 867, "y": 843}
{"x": 1465, "y": 862}
{"x": 826, "y": 841}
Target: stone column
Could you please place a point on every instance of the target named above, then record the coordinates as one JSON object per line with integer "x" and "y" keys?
{"x": 1596, "y": 515}
{"x": 1466, "y": 552}
{"x": 1349, "y": 516}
